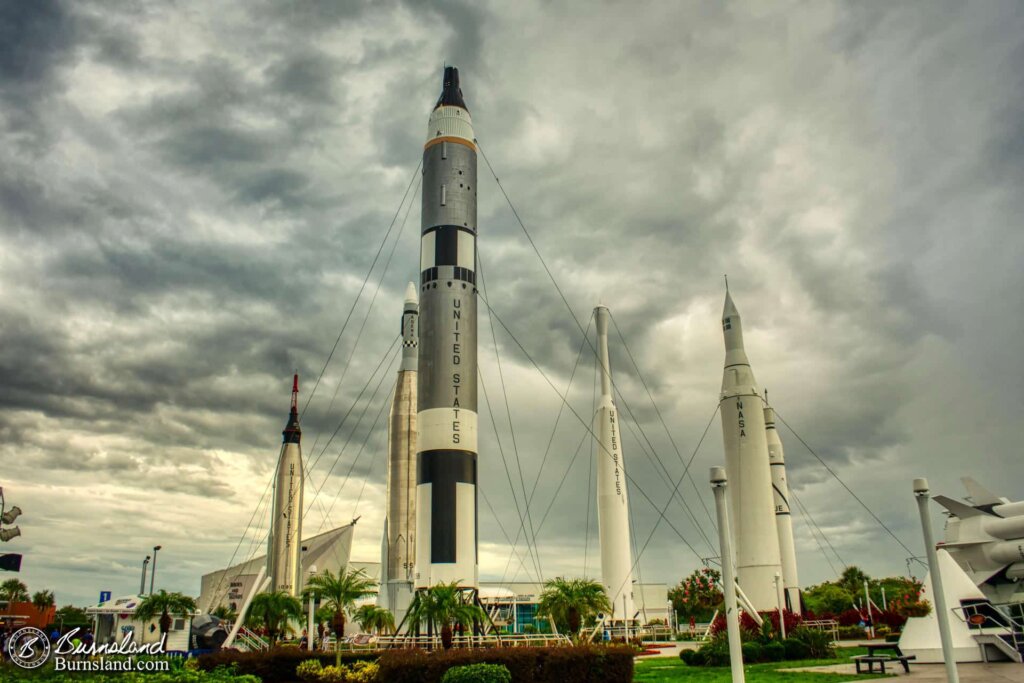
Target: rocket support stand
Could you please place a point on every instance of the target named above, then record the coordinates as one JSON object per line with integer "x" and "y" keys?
{"x": 262, "y": 580}
{"x": 941, "y": 611}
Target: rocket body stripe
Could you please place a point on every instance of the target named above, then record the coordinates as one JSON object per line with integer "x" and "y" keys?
{"x": 284, "y": 551}
{"x": 612, "y": 494}
{"x": 446, "y": 469}
{"x": 746, "y": 462}
{"x": 783, "y": 517}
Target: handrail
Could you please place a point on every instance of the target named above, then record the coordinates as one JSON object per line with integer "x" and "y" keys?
{"x": 829, "y": 625}
{"x": 471, "y": 641}
{"x": 968, "y": 614}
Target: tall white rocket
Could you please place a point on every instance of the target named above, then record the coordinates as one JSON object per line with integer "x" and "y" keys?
{"x": 284, "y": 552}
{"x": 783, "y": 518}
{"x": 612, "y": 497}
{"x": 746, "y": 463}
{"x": 398, "y": 555}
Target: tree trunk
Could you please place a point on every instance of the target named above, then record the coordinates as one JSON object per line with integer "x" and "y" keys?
{"x": 165, "y": 623}
{"x": 446, "y": 636}
{"x": 574, "y": 621}
{"x": 338, "y": 623}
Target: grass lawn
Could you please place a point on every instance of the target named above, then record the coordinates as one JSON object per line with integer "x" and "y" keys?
{"x": 668, "y": 670}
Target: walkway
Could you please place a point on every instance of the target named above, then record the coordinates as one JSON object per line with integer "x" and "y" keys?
{"x": 1001, "y": 672}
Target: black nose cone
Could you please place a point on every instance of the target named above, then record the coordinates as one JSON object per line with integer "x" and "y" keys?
{"x": 451, "y": 93}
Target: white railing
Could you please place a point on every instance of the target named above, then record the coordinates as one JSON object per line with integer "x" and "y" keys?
{"x": 510, "y": 640}
{"x": 251, "y": 641}
{"x": 826, "y": 625}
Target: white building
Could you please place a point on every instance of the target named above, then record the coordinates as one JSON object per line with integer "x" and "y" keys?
{"x": 116, "y": 618}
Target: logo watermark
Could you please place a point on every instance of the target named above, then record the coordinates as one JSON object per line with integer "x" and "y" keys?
{"x": 29, "y": 648}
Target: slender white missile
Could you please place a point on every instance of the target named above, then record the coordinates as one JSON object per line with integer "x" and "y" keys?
{"x": 284, "y": 554}
{"x": 746, "y": 464}
{"x": 446, "y": 459}
{"x": 399, "y": 552}
{"x": 783, "y": 517}
{"x": 612, "y": 495}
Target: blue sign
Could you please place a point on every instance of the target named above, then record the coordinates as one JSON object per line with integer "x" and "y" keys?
{"x": 105, "y": 596}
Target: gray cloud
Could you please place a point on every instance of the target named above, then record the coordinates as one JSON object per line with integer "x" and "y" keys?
{"x": 190, "y": 198}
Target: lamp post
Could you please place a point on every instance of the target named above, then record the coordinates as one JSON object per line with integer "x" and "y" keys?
{"x": 142, "y": 583}
{"x": 732, "y": 620}
{"x": 922, "y": 494}
{"x": 780, "y": 600}
{"x": 152, "y": 574}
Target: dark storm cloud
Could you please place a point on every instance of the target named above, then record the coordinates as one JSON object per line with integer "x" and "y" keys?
{"x": 190, "y": 198}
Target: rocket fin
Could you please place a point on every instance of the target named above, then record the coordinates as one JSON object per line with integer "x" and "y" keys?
{"x": 961, "y": 510}
{"x": 980, "y": 495}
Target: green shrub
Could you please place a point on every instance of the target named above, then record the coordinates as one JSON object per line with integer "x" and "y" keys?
{"x": 714, "y": 653}
{"x": 796, "y": 649}
{"x": 753, "y": 652}
{"x": 774, "y": 652}
{"x": 688, "y": 657}
{"x": 477, "y": 673}
{"x": 819, "y": 642}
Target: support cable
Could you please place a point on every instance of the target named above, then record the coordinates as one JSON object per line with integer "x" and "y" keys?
{"x": 661, "y": 419}
{"x": 369, "y": 309}
{"x": 376, "y": 421}
{"x": 508, "y": 413}
{"x": 348, "y": 317}
{"x": 843, "y": 484}
{"x": 811, "y": 526}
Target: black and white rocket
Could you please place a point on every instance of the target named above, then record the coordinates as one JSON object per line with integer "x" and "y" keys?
{"x": 399, "y": 543}
{"x": 284, "y": 552}
{"x": 746, "y": 463}
{"x": 446, "y": 460}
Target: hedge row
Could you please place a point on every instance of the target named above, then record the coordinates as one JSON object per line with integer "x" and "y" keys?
{"x": 584, "y": 664}
{"x": 277, "y": 665}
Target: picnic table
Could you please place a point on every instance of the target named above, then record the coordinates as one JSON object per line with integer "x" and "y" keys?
{"x": 872, "y": 657}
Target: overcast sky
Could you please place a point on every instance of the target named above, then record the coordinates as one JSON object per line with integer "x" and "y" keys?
{"x": 192, "y": 193}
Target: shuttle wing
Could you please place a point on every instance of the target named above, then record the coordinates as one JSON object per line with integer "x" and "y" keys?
{"x": 961, "y": 510}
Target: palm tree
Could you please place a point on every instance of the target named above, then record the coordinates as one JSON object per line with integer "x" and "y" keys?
{"x": 444, "y": 606}
{"x": 165, "y": 604}
{"x": 43, "y": 600}
{"x": 339, "y": 592}
{"x": 13, "y": 590}
{"x": 224, "y": 612}
{"x": 572, "y": 601}
{"x": 274, "y": 611}
{"x": 373, "y": 618}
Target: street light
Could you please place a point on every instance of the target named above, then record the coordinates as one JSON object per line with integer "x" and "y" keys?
{"x": 142, "y": 584}
{"x": 152, "y": 574}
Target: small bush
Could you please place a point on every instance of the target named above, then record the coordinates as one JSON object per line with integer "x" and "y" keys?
{"x": 774, "y": 652}
{"x": 715, "y": 653}
{"x": 477, "y": 673}
{"x": 688, "y": 657}
{"x": 357, "y": 672}
{"x": 796, "y": 649}
{"x": 819, "y": 642}
{"x": 752, "y": 652}
{"x": 851, "y": 633}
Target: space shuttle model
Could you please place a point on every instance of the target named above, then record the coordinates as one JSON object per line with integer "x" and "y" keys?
{"x": 751, "y": 505}
{"x": 986, "y": 538}
{"x": 446, "y": 418}
{"x": 284, "y": 551}
{"x": 398, "y": 547}
{"x": 612, "y": 494}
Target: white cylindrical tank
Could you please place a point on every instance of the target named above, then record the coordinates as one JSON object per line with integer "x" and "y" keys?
{"x": 612, "y": 495}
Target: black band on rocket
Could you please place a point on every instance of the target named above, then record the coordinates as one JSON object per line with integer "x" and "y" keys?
{"x": 443, "y": 469}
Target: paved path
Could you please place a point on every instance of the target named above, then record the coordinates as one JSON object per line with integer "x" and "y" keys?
{"x": 1001, "y": 672}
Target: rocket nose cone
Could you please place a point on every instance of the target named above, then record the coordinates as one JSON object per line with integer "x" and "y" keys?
{"x": 411, "y": 296}
{"x": 729, "y": 310}
{"x": 451, "y": 93}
